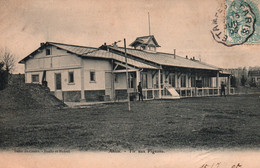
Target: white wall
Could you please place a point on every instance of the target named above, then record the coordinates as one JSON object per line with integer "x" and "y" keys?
{"x": 99, "y": 67}
{"x": 58, "y": 59}
{"x": 62, "y": 62}
{"x": 50, "y": 78}
{"x": 28, "y": 76}
{"x": 121, "y": 81}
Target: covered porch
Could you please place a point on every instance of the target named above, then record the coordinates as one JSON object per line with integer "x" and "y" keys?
{"x": 186, "y": 82}
{"x": 169, "y": 82}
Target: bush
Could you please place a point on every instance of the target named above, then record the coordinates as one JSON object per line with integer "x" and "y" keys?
{"x": 3, "y": 76}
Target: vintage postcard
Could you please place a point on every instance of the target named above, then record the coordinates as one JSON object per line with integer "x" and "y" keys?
{"x": 120, "y": 83}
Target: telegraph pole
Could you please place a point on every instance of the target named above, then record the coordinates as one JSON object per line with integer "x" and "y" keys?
{"x": 149, "y": 24}
{"x": 127, "y": 82}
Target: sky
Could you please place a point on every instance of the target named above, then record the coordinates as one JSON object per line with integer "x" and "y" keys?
{"x": 182, "y": 25}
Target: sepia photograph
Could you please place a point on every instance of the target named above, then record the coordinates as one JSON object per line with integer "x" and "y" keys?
{"x": 130, "y": 83}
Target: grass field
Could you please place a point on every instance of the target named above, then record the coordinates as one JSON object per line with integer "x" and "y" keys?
{"x": 213, "y": 122}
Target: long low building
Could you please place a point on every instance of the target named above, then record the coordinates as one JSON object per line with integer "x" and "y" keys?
{"x": 79, "y": 73}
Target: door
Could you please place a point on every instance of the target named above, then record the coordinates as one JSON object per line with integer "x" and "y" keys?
{"x": 58, "y": 86}
{"x": 58, "y": 81}
{"x": 108, "y": 84}
{"x": 132, "y": 81}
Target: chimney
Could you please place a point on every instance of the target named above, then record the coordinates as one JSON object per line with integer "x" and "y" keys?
{"x": 186, "y": 56}
{"x": 193, "y": 58}
{"x": 105, "y": 44}
{"x": 174, "y": 53}
{"x": 42, "y": 44}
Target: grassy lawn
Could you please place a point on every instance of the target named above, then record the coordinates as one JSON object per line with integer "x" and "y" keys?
{"x": 213, "y": 122}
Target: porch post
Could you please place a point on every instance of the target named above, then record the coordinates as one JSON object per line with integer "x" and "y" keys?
{"x": 228, "y": 85}
{"x": 137, "y": 77}
{"x": 163, "y": 78}
{"x": 137, "y": 80}
{"x": 83, "y": 99}
{"x": 189, "y": 79}
{"x": 159, "y": 83}
{"x": 113, "y": 86}
{"x": 176, "y": 79}
{"x": 187, "y": 83}
{"x": 153, "y": 86}
{"x": 217, "y": 82}
{"x": 196, "y": 78}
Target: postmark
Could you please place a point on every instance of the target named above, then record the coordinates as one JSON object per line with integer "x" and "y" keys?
{"x": 236, "y": 22}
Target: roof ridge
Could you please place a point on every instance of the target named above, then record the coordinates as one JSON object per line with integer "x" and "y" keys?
{"x": 150, "y": 52}
{"x": 69, "y": 44}
{"x": 92, "y": 51}
{"x": 145, "y": 36}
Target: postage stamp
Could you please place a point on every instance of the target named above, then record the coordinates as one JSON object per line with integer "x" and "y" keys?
{"x": 237, "y": 22}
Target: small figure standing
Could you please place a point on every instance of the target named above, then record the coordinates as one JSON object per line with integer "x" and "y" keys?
{"x": 223, "y": 88}
{"x": 140, "y": 91}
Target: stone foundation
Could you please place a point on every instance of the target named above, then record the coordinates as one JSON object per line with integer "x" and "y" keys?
{"x": 90, "y": 95}
{"x": 121, "y": 94}
{"x": 94, "y": 95}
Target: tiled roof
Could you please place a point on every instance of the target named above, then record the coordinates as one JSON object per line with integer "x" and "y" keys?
{"x": 167, "y": 59}
{"x": 105, "y": 54}
{"x": 140, "y": 60}
{"x": 95, "y": 53}
{"x": 98, "y": 53}
{"x": 79, "y": 50}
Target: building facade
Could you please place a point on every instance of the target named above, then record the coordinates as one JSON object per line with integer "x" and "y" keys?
{"x": 79, "y": 73}
{"x": 254, "y": 76}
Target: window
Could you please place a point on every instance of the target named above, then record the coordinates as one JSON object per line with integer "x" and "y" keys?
{"x": 58, "y": 81}
{"x": 48, "y": 51}
{"x": 205, "y": 81}
{"x": 156, "y": 85}
{"x": 144, "y": 80}
{"x": 183, "y": 81}
{"x": 92, "y": 76}
{"x": 161, "y": 79}
{"x": 35, "y": 78}
{"x": 151, "y": 48}
{"x": 193, "y": 81}
{"x": 131, "y": 80}
{"x": 71, "y": 77}
{"x": 172, "y": 80}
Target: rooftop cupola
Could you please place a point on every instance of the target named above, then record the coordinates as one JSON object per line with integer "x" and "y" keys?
{"x": 146, "y": 43}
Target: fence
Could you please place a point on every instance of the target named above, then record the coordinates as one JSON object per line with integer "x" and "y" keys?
{"x": 185, "y": 92}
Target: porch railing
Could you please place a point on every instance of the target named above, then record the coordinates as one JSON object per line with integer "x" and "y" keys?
{"x": 153, "y": 93}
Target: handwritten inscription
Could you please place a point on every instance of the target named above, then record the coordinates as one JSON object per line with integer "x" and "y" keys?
{"x": 219, "y": 165}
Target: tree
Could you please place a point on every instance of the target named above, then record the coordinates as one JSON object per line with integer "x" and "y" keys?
{"x": 8, "y": 59}
{"x": 243, "y": 80}
{"x": 7, "y": 65}
{"x": 3, "y": 76}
